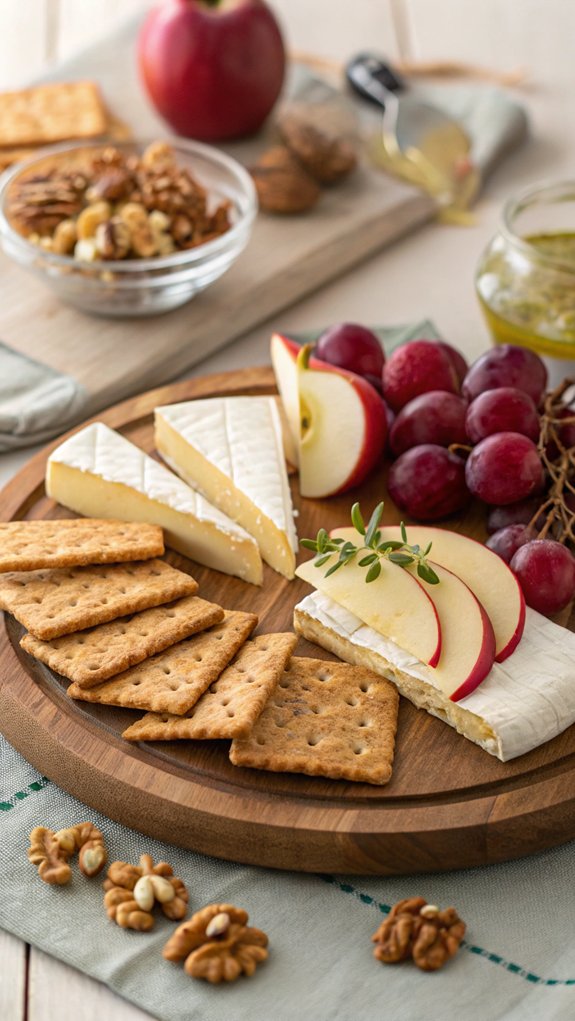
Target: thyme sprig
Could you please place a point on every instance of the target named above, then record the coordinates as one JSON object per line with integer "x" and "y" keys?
{"x": 374, "y": 547}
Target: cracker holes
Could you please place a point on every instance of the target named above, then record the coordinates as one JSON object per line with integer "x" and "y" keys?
{"x": 260, "y": 740}
{"x": 364, "y": 723}
{"x": 166, "y": 670}
{"x": 231, "y": 713}
{"x": 358, "y": 749}
{"x": 313, "y": 740}
{"x": 323, "y": 675}
{"x": 198, "y": 659}
{"x": 352, "y": 701}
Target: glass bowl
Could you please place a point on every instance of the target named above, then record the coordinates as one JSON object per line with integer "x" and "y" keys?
{"x": 138, "y": 287}
{"x": 526, "y": 277}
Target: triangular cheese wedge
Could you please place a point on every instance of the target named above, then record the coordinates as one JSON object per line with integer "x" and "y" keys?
{"x": 100, "y": 474}
{"x": 230, "y": 449}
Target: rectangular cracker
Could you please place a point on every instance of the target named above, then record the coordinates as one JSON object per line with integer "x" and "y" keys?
{"x": 173, "y": 681}
{"x": 325, "y": 719}
{"x": 76, "y": 542}
{"x": 58, "y": 601}
{"x": 232, "y": 704}
{"x": 91, "y": 657}
{"x": 51, "y": 113}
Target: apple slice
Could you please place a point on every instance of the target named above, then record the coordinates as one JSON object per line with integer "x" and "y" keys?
{"x": 336, "y": 417}
{"x": 486, "y": 574}
{"x": 467, "y": 637}
{"x": 396, "y": 604}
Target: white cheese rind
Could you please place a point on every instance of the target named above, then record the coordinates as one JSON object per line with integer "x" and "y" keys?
{"x": 231, "y": 450}
{"x": 521, "y": 704}
{"x": 98, "y": 473}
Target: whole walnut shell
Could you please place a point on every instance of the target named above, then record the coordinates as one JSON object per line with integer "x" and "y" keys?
{"x": 328, "y": 159}
{"x": 282, "y": 184}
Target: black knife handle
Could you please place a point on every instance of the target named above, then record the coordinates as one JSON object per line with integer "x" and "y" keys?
{"x": 372, "y": 79}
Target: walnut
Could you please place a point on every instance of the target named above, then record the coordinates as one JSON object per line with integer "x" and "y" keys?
{"x": 50, "y": 851}
{"x": 132, "y": 890}
{"x": 215, "y": 944}
{"x": 51, "y": 859}
{"x": 419, "y": 930}
{"x": 89, "y": 841}
{"x": 327, "y": 159}
{"x": 113, "y": 238}
{"x": 282, "y": 184}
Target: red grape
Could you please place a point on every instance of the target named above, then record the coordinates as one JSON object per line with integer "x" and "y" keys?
{"x": 428, "y": 482}
{"x": 520, "y": 513}
{"x": 546, "y": 572}
{"x": 505, "y": 409}
{"x": 506, "y": 365}
{"x": 457, "y": 360}
{"x": 434, "y": 417}
{"x": 504, "y": 468}
{"x": 351, "y": 347}
{"x": 415, "y": 368}
{"x": 507, "y": 540}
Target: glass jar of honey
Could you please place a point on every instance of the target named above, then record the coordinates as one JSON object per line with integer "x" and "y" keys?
{"x": 526, "y": 277}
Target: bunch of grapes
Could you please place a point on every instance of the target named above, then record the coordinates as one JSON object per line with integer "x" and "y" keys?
{"x": 458, "y": 432}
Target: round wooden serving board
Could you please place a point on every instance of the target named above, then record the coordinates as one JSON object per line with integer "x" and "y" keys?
{"x": 449, "y": 804}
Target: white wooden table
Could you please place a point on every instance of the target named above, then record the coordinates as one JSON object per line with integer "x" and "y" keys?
{"x": 427, "y": 274}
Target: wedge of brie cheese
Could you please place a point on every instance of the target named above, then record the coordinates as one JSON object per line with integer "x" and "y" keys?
{"x": 523, "y": 702}
{"x": 100, "y": 474}
{"x": 230, "y": 449}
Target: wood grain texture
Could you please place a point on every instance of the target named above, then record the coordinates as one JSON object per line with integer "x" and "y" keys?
{"x": 448, "y": 805}
{"x": 12, "y": 978}
{"x": 58, "y": 991}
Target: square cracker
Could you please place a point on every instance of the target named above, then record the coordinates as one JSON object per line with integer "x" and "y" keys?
{"x": 75, "y": 542}
{"x": 325, "y": 719}
{"x": 55, "y": 602}
{"x": 232, "y": 704}
{"x": 90, "y": 657}
{"x": 173, "y": 681}
{"x": 51, "y": 113}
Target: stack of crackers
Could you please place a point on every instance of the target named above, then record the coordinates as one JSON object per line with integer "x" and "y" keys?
{"x": 46, "y": 114}
{"x": 129, "y": 630}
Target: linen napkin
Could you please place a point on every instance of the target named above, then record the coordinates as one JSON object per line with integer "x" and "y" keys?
{"x": 36, "y": 402}
{"x": 517, "y": 962}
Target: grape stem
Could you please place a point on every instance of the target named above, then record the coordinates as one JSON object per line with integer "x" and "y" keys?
{"x": 374, "y": 547}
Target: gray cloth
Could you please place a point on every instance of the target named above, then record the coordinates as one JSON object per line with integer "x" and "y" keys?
{"x": 36, "y": 402}
{"x": 517, "y": 962}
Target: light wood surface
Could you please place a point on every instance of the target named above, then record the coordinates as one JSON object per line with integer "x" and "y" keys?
{"x": 448, "y": 804}
{"x": 430, "y": 274}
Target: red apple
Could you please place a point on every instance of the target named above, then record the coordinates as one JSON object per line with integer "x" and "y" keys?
{"x": 337, "y": 419}
{"x": 212, "y": 68}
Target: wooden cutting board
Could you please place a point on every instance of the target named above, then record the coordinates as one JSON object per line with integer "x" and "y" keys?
{"x": 287, "y": 258}
{"x": 449, "y": 804}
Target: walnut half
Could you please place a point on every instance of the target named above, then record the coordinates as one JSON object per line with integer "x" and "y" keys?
{"x": 217, "y": 945}
{"x": 421, "y": 931}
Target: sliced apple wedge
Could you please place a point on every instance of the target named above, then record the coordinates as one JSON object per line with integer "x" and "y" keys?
{"x": 467, "y": 638}
{"x": 396, "y": 604}
{"x": 486, "y": 574}
{"x": 337, "y": 419}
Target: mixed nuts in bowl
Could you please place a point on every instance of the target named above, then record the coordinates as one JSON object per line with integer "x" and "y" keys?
{"x": 127, "y": 230}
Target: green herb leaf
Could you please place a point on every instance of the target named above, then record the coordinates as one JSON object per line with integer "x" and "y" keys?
{"x": 335, "y": 567}
{"x": 403, "y": 533}
{"x": 357, "y": 519}
{"x": 389, "y": 544}
{"x": 337, "y": 542}
{"x": 403, "y": 559}
{"x": 373, "y": 524}
{"x": 427, "y": 549}
{"x": 374, "y": 571}
{"x": 427, "y": 574}
{"x": 322, "y": 560}
{"x": 366, "y": 561}
{"x": 309, "y": 544}
{"x": 322, "y": 539}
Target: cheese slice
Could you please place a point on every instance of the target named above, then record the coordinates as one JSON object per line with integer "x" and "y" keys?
{"x": 100, "y": 474}
{"x": 523, "y": 702}
{"x": 231, "y": 450}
